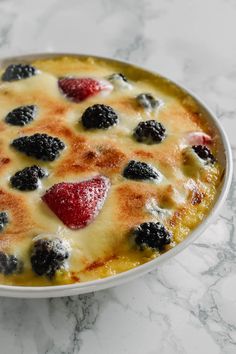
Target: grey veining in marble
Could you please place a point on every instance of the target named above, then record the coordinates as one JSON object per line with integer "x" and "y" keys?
{"x": 187, "y": 305}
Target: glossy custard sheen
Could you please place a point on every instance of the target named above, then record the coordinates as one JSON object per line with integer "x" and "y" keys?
{"x": 179, "y": 198}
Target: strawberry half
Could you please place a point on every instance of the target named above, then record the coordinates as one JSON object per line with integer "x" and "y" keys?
{"x": 199, "y": 138}
{"x": 77, "y": 204}
{"x": 78, "y": 89}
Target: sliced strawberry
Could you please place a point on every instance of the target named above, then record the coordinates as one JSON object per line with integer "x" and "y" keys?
{"x": 78, "y": 89}
{"x": 77, "y": 204}
{"x": 199, "y": 138}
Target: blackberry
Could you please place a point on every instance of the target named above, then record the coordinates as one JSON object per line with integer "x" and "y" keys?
{"x": 140, "y": 171}
{"x": 147, "y": 101}
{"x": 99, "y": 116}
{"x": 21, "y": 115}
{"x": 204, "y": 153}
{"x": 149, "y": 132}
{"x": 152, "y": 234}
{"x": 3, "y": 220}
{"x": 18, "y": 71}
{"x": 42, "y": 146}
{"x": 48, "y": 255}
{"x": 9, "y": 264}
{"x": 117, "y": 77}
{"x": 119, "y": 81}
{"x": 28, "y": 178}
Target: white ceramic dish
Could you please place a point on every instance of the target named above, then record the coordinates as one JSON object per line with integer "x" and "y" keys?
{"x": 81, "y": 288}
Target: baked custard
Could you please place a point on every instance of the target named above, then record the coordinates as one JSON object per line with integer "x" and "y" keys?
{"x": 103, "y": 167}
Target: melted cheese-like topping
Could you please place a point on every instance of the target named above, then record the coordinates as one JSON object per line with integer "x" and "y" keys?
{"x": 180, "y": 200}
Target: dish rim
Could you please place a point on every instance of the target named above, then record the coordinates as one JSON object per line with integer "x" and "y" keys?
{"x": 124, "y": 277}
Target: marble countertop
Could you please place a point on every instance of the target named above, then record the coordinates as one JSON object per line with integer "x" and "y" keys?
{"x": 187, "y": 305}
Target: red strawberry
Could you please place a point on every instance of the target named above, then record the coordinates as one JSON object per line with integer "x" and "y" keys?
{"x": 77, "y": 204}
{"x": 78, "y": 89}
{"x": 199, "y": 138}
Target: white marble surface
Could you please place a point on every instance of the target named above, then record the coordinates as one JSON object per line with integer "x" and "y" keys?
{"x": 188, "y": 305}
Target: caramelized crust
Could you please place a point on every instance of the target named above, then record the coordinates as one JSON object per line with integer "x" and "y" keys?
{"x": 84, "y": 155}
{"x": 21, "y": 225}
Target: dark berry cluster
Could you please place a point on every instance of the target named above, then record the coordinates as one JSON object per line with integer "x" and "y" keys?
{"x": 21, "y": 115}
{"x": 204, "y": 153}
{"x": 9, "y": 264}
{"x": 147, "y": 101}
{"x": 48, "y": 255}
{"x": 149, "y": 132}
{"x": 3, "y": 220}
{"x": 28, "y": 178}
{"x": 42, "y": 146}
{"x": 99, "y": 116}
{"x": 18, "y": 71}
{"x": 117, "y": 77}
{"x": 140, "y": 171}
{"x": 152, "y": 234}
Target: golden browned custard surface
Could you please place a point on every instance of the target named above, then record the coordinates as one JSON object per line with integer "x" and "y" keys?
{"x": 179, "y": 199}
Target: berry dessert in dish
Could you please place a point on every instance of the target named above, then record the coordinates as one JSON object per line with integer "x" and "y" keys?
{"x": 103, "y": 167}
